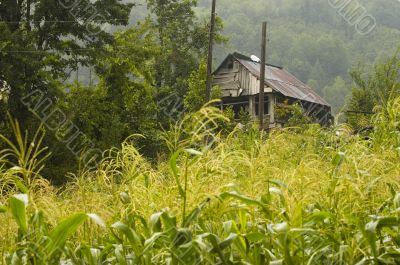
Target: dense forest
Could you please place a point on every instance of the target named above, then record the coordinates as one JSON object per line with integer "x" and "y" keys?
{"x": 110, "y": 153}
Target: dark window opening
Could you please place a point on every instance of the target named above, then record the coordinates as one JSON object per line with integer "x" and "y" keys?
{"x": 266, "y": 106}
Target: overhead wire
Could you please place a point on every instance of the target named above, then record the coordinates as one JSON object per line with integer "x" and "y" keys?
{"x": 77, "y": 21}
{"x": 196, "y": 36}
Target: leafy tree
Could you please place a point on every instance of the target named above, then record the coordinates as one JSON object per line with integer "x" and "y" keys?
{"x": 41, "y": 43}
{"x": 183, "y": 41}
{"x": 42, "y": 40}
{"x": 195, "y": 99}
{"x": 376, "y": 89}
{"x": 123, "y": 103}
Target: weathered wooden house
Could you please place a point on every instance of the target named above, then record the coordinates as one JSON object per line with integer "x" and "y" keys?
{"x": 238, "y": 77}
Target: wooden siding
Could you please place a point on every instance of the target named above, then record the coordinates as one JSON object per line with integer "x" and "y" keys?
{"x": 235, "y": 80}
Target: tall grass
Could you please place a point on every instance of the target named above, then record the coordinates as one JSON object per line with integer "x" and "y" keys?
{"x": 309, "y": 196}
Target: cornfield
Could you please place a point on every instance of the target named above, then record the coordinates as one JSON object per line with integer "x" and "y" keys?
{"x": 306, "y": 195}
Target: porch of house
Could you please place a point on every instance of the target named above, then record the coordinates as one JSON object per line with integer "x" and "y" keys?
{"x": 249, "y": 104}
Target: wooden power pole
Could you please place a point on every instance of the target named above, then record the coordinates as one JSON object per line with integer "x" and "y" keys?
{"x": 262, "y": 76}
{"x": 210, "y": 53}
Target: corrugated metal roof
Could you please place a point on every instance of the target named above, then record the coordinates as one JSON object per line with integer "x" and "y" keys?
{"x": 282, "y": 81}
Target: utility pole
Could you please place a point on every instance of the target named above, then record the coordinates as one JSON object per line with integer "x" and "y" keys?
{"x": 76, "y": 63}
{"x": 210, "y": 53}
{"x": 90, "y": 77}
{"x": 77, "y": 68}
{"x": 262, "y": 76}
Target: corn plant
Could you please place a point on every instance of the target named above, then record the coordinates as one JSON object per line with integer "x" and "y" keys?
{"x": 36, "y": 241}
{"x": 322, "y": 196}
{"x": 24, "y": 157}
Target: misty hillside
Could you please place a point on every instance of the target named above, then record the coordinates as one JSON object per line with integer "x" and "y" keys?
{"x": 309, "y": 38}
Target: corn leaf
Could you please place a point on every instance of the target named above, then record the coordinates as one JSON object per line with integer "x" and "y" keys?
{"x": 60, "y": 234}
{"x": 18, "y": 205}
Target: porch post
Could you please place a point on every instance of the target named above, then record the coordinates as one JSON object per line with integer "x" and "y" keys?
{"x": 271, "y": 107}
{"x": 252, "y": 106}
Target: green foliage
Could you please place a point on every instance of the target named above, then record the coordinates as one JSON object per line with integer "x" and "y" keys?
{"x": 229, "y": 125}
{"x": 219, "y": 193}
{"x": 316, "y": 197}
{"x": 42, "y": 41}
{"x": 142, "y": 77}
{"x": 387, "y": 124}
{"x": 195, "y": 130}
{"x": 24, "y": 158}
{"x": 374, "y": 90}
{"x": 298, "y": 117}
{"x": 182, "y": 41}
{"x": 195, "y": 97}
{"x": 160, "y": 55}
{"x": 245, "y": 118}
{"x": 37, "y": 243}
{"x": 18, "y": 205}
{"x": 123, "y": 102}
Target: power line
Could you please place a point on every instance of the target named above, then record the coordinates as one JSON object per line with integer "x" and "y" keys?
{"x": 77, "y": 21}
{"x": 196, "y": 36}
{"x": 62, "y": 21}
{"x": 53, "y": 51}
{"x": 360, "y": 112}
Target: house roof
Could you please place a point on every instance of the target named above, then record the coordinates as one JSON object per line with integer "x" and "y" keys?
{"x": 279, "y": 80}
